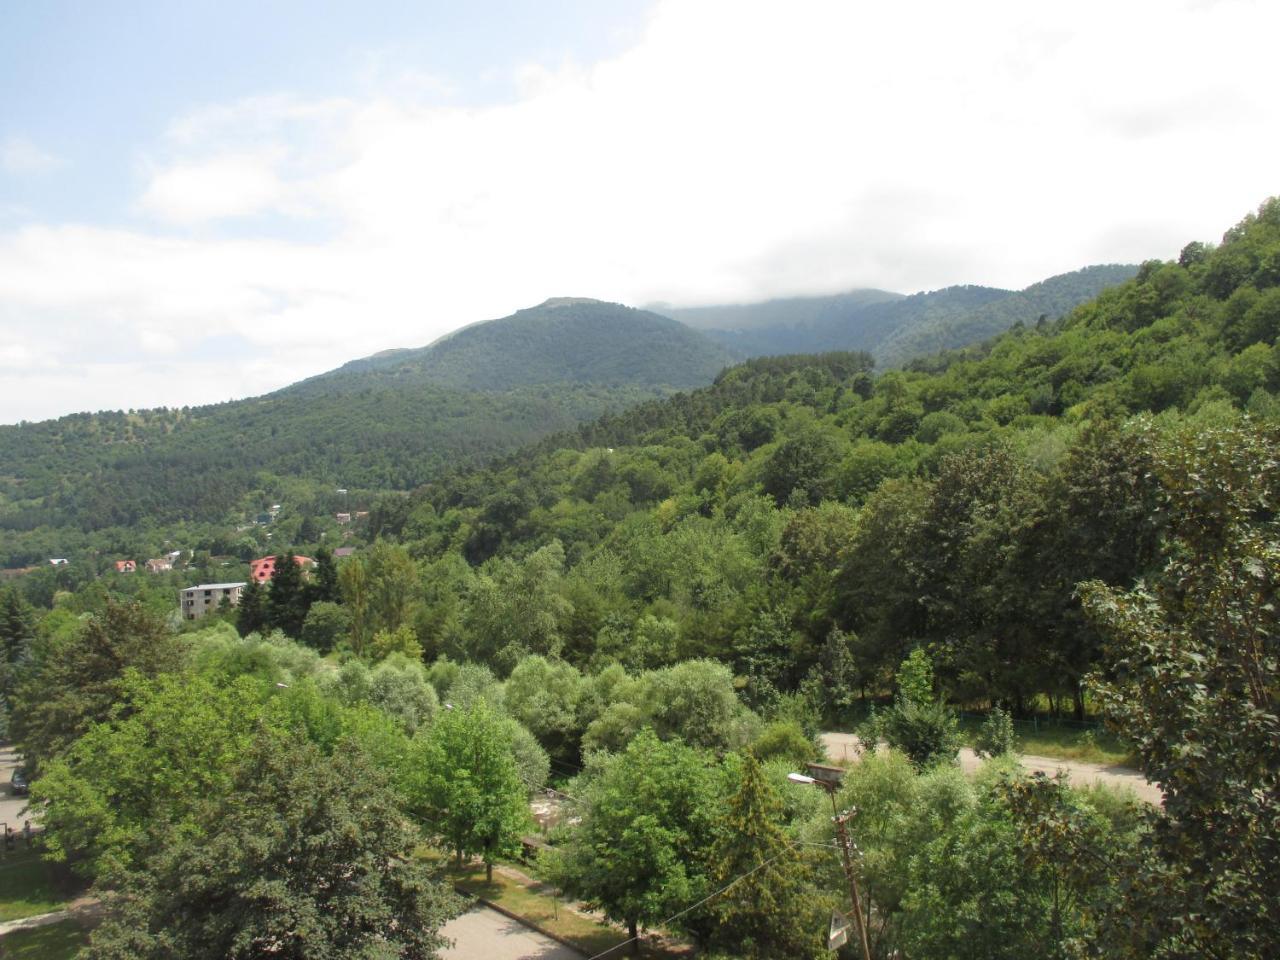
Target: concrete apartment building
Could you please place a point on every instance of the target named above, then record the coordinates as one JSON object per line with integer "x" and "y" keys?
{"x": 195, "y": 602}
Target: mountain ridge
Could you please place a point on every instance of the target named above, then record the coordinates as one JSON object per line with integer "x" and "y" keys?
{"x": 561, "y": 340}
{"x": 894, "y": 328}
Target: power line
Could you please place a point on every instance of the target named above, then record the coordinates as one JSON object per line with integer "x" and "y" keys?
{"x": 706, "y": 899}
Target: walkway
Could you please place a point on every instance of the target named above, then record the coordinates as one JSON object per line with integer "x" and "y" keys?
{"x": 484, "y": 934}
{"x": 83, "y": 909}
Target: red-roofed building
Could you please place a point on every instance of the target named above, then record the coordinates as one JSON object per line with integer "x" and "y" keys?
{"x": 126, "y": 566}
{"x": 263, "y": 568}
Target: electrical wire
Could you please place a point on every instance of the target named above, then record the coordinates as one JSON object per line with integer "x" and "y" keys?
{"x": 676, "y": 916}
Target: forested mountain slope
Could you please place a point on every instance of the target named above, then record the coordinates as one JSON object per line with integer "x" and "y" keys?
{"x": 785, "y": 312}
{"x": 1049, "y": 299}
{"x": 661, "y": 609}
{"x": 386, "y": 422}
{"x": 956, "y": 503}
{"x": 892, "y": 327}
{"x": 564, "y": 340}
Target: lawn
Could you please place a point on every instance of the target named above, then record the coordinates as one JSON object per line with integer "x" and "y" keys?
{"x": 57, "y": 941}
{"x": 1059, "y": 741}
{"x": 27, "y": 886}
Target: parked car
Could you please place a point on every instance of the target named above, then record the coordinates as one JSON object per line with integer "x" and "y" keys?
{"x": 18, "y": 783}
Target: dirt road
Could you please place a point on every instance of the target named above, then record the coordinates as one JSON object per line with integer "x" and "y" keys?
{"x": 845, "y": 748}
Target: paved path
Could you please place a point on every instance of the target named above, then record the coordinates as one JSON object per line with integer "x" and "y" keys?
{"x": 484, "y": 934}
{"x": 11, "y": 807}
{"x": 846, "y": 748}
{"x": 85, "y": 909}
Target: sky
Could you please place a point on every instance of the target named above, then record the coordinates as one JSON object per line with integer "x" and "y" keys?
{"x": 205, "y": 201}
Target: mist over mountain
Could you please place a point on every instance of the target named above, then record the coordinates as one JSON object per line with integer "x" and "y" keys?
{"x": 892, "y": 327}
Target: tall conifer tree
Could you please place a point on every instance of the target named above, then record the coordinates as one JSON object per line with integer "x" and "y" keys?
{"x": 324, "y": 582}
{"x": 768, "y": 912}
{"x": 287, "y": 599}
{"x": 251, "y": 614}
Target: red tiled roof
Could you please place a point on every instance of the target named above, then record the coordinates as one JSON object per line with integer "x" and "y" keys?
{"x": 264, "y": 568}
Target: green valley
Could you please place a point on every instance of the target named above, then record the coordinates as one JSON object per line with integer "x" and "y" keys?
{"x": 657, "y": 611}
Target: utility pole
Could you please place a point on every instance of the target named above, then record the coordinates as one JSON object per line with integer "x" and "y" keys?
{"x": 829, "y": 780}
{"x": 846, "y": 857}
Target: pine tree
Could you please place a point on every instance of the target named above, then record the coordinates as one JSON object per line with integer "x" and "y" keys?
{"x": 769, "y": 912}
{"x": 251, "y": 614}
{"x": 16, "y": 627}
{"x": 324, "y": 583}
{"x": 17, "y": 630}
{"x": 287, "y": 598}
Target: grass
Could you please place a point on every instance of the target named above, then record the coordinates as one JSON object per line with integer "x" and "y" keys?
{"x": 1047, "y": 739}
{"x": 545, "y": 912}
{"x": 57, "y": 941}
{"x": 27, "y": 886}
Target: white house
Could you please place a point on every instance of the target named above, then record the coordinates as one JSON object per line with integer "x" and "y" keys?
{"x": 195, "y": 602}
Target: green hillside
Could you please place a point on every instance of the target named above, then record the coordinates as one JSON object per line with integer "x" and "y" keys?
{"x": 1049, "y": 299}
{"x": 659, "y": 610}
{"x": 384, "y": 423}
{"x": 783, "y": 312}
{"x": 955, "y": 503}
{"x": 564, "y": 340}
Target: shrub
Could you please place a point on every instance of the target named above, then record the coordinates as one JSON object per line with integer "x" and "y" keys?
{"x": 996, "y": 738}
{"x": 784, "y": 739}
{"x": 926, "y": 732}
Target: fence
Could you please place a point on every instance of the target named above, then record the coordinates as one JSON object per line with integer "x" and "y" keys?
{"x": 1036, "y": 724}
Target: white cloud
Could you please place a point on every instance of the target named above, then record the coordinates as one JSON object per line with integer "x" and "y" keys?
{"x": 737, "y": 150}
{"x": 221, "y": 187}
{"x": 20, "y": 156}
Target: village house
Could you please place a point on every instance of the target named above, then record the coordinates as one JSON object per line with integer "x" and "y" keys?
{"x": 126, "y": 566}
{"x": 159, "y": 565}
{"x": 195, "y": 602}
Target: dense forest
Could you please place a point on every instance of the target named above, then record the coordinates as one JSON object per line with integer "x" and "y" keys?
{"x": 658, "y": 611}
{"x": 86, "y": 483}
{"x": 383, "y": 423}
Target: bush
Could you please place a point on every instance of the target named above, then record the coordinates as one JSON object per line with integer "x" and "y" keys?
{"x": 926, "y": 732}
{"x": 996, "y": 738}
{"x": 784, "y": 739}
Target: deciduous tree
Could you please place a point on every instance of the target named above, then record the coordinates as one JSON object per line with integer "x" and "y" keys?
{"x": 464, "y": 785}
{"x": 640, "y": 852}
{"x": 307, "y": 857}
{"x": 1194, "y": 684}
